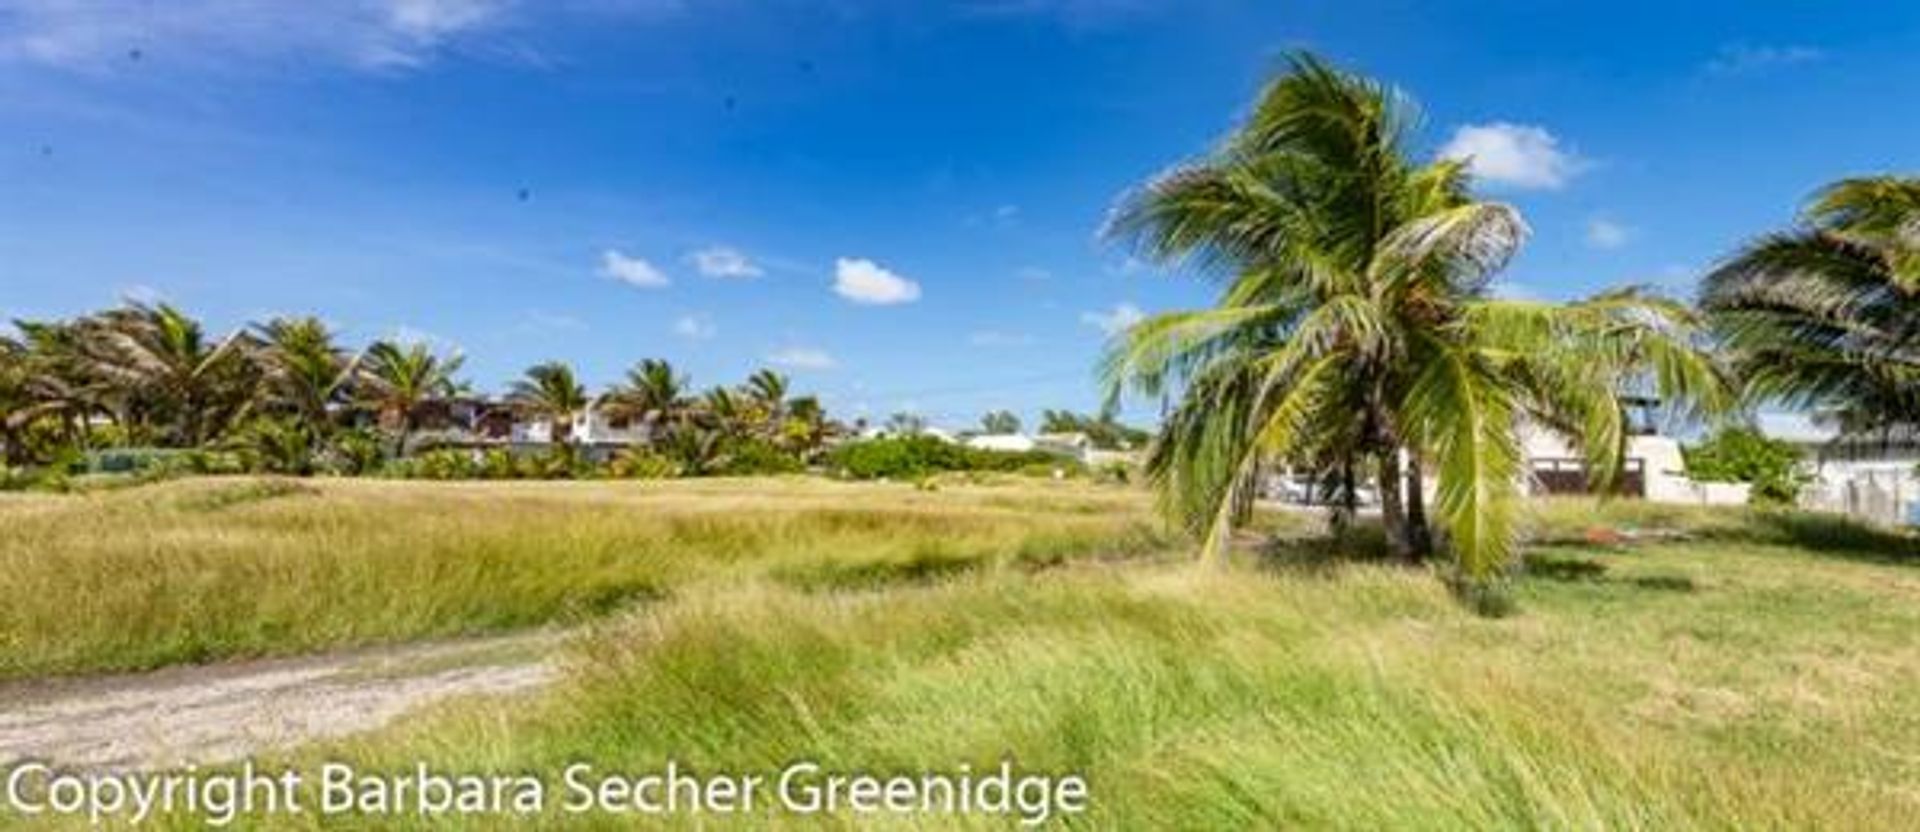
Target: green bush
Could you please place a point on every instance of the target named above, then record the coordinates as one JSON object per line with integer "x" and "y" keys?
{"x": 753, "y": 457}
{"x": 355, "y": 452}
{"x": 915, "y": 457}
{"x": 1744, "y": 455}
{"x": 643, "y": 464}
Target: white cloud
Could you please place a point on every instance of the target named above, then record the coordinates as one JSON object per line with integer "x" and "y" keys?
{"x": 1741, "y": 58}
{"x": 1115, "y": 321}
{"x": 357, "y": 34}
{"x": 1033, "y": 273}
{"x": 864, "y": 281}
{"x": 724, "y": 261}
{"x": 696, "y": 327}
{"x": 1603, "y": 233}
{"x": 997, "y": 338}
{"x": 541, "y": 321}
{"x": 371, "y": 34}
{"x": 632, "y": 271}
{"x": 802, "y": 358}
{"x": 1515, "y": 155}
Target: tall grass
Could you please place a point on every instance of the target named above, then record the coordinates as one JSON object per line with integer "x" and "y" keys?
{"x": 200, "y": 570}
{"x": 1776, "y": 694}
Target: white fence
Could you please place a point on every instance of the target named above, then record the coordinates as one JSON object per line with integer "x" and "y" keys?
{"x": 1888, "y": 497}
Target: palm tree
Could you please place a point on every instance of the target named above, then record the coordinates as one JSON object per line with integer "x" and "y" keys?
{"x": 767, "y": 390}
{"x": 1000, "y": 422}
{"x": 905, "y": 423}
{"x": 159, "y": 364}
{"x": 806, "y": 428}
{"x": 723, "y": 408}
{"x": 549, "y": 391}
{"x": 18, "y": 405}
{"x": 1354, "y": 325}
{"x": 652, "y": 394}
{"x": 398, "y": 382}
{"x": 1827, "y": 315}
{"x": 303, "y": 373}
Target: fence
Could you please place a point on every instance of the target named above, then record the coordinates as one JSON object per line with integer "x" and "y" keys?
{"x": 1887, "y": 497}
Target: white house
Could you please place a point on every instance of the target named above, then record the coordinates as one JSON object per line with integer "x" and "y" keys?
{"x": 1010, "y": 442}
{"x": 1874, "y": 476}
{"x": 591, "y": 426}
{"x": 1653, "y": 468}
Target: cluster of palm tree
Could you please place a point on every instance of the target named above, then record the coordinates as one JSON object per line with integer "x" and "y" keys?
{"x": 150, "y": 376}
{"x": 1355, "y": 331}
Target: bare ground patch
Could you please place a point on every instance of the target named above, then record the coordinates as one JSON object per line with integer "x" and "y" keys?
{"x": 219, "y": 713}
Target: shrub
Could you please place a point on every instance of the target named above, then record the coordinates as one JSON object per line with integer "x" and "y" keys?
{"x": 642, "y": 464}
{"x": 915, "y": 457}
{"x": 355, "y": 452}
{"x": 1744, "y": 455}
{"x": 751, "y": 457}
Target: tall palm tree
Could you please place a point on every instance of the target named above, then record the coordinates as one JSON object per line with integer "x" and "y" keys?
{"x": 1000, "y": 422}
{"x": 1354, "y": 325}
{"x": 806, "y": 428}
{"x": 653, "y": 394}
{"x": 724, "y": 408}
{"x": 161, "y": 363}
{"x": 550, "y": 391}
{"x": 1827, "y": 315}
{"x": 397, "y": 382}
{"x": 768, "y": 390}
{"x": 303, "y": 373}
{"x": 18, "y": 406}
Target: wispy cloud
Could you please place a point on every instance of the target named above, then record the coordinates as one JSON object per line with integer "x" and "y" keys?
{"x": 1603, "y": 233}
{"x": 1114, "y": 321}
{"x": 998, "y": 338}
{"x": 696, "y": 327}
{"x": 802, "y": 358}
{"x": 1743, "y": 59}
{"x": 1033, "y": 273}
{"x": 632, "y": 271}
{"x": 1515, "y": 155}
{"x": 724, "y": 261}
{"x": 542, "y": 321}
{"x": 355, "y": 34}
{"x": 866, "y": 282}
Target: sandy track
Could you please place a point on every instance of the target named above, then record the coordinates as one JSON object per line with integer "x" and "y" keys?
{"x": 218, "y": 713}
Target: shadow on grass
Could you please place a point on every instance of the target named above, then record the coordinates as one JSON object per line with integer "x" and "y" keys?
{"x": 924, "y": 565}
{"x": 1832, "y": 534}
{"x": 1323, "y": 554}
{"x": 1564, "y": 569}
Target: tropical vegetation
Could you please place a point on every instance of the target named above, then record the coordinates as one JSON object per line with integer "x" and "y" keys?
{"x": 1356, "y": 329}
{"x": 1826, "y": 316}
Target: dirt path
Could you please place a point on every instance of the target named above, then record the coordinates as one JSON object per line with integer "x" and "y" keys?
{"x": 219, "y": 713}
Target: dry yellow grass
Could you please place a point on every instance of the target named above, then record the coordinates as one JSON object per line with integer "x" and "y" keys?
{"x": 207, "y": 569}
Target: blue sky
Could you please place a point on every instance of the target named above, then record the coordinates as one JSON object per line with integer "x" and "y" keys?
{"x": 896, "y": 202}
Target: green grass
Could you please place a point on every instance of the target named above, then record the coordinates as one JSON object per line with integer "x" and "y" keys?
{"x": 1684, "y": 685}
{"x": 1736, "y": 670}
{"x": 213, "y": 569}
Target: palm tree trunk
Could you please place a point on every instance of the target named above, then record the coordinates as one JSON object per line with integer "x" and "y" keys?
{"x": 1419, "y": 537}
{"x": 1392, "y": 515}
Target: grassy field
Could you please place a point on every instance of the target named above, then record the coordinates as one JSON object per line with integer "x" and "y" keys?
{"x": 213, "y": 569}
{"x": 1766, "y": 675}
{"x": 1664, "y": 668}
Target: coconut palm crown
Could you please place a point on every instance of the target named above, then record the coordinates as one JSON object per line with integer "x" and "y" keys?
{"x": 1354, "y": 327}
{"x": 1827, "y": 315}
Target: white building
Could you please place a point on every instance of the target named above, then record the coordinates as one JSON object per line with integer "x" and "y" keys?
{"x": 1653, "y": 468}
{"x": 1009, "y": 442}
{"x": 1874, "y": 476}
